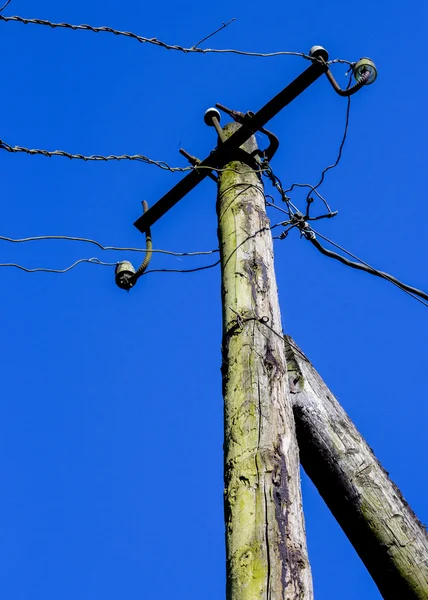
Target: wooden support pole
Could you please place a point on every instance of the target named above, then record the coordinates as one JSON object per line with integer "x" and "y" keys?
{"x": 265, "y": 535}
{"x": 369, "y": 507}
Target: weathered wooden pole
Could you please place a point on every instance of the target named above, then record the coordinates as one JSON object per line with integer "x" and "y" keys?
{"x": 265, "y": 534}
{"x": 371, "y": 510}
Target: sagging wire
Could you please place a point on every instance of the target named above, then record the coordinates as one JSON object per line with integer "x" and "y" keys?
{"x": 101, "y": 158}
{"x": 95, "y": 157}
{"x": 181, "y": 270}
{"x": 157, "y": 42}
{"x": 94, "y": 261}
{"x": 146, "y": 250}
{"x": 97, "y": 261}
{"x": 101, "y": 246}
{"x": 310, "y": 234}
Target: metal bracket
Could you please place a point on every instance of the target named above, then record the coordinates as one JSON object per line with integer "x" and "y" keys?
{"x": 221, "y": 154}
{"x": 195, "y": 162}
{"x": 243, "y": 119}
{"x": 252, "y": 160}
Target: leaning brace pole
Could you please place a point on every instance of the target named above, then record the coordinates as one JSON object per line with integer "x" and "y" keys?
{"x": 371, "y": 510}
{"x": 265, "y": 536}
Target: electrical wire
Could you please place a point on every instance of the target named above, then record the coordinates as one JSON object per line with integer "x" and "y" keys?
{"x": 94, "y": 261}
{"x": 157, "y": 42}
{"x": 207, "y": 37}
{"x": 419, "y": 295}
{"x": 5, "y": 5}
{"x": 97, "y": 261}
{"x": 181, "y": 270}
{"x": 96, "y": 157}
{"x": 101, "y": 246}
{"x": 339, "y": 155}
{"x": 277, "y": 184}
{"x": 312, "y": 190}
{"x": 100, "y": 158}
{"x": 336, "y": 162}
{"x": 278, "y": 208}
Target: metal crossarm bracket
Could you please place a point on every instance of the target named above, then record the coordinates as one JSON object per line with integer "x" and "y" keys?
{"x": 226, "y": 150}
{"x": 242, "y": 118}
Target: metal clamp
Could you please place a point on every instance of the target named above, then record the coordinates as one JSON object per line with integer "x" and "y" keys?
{"x": 193, "y": 160}
{"x": 243, "y": 119}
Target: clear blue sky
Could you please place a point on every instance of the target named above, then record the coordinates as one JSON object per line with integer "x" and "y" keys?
{"x": 111, "y": 411}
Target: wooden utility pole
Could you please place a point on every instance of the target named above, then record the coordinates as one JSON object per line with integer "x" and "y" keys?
{"x": 265, "y": 534}
{"x": 371, "y": 510}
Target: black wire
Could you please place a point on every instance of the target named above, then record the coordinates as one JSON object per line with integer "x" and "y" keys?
{"x": 278, "y": 208}
{"x": 5, "y": 5}
{"x": 342, "y": 143}
{"x": 181, "y": 270}
{"x": 277, "y": 184}
{"x": 339, "y": 155}
{"x": 157, "y": 42}
{"x": 363, "y": 266}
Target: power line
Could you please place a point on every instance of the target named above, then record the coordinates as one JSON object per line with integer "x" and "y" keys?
{"x": 94, "y": 261}
{"x": 97, "y": 261}
{"x": 101, "y": 246}
{"x": 101, "y": 158}
{"x": 157, "y": 42}
{"x": 96, "y": 157}
{"x": 181, "y": 270}
{"x": 6, "y": 4}
{"x": 362, "y": 265}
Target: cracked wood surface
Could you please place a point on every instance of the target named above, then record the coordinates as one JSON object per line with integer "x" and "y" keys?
{"x": 385, "y": 532}
{"x": 265, "y": 534}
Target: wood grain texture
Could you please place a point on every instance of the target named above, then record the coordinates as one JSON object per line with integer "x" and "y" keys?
{"x": 371, "y": 510}
{"x": 265, "y": 535}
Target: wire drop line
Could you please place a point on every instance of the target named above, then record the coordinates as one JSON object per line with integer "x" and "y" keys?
{"x": 181, "y": 270}
{"x": 93, "y": 261}
{"x": 342, "y": 144}
{"x": 156, "y": 42}
{"x": 332, "y": 166}
{"x": 5, "y": 5}
{"x": 363, "y": 266}
{"x": 99, "y": 245}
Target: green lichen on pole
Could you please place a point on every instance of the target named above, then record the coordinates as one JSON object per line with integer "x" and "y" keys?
{"x": 369, "y": 507}
{"x": 265, "y": 535}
